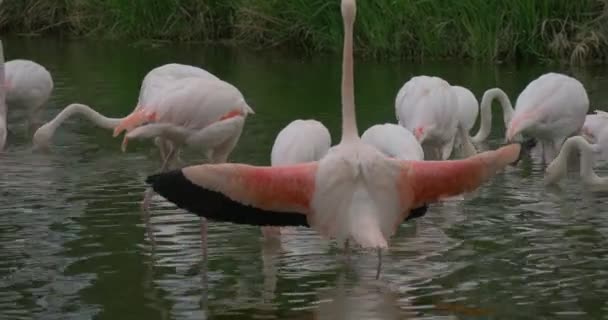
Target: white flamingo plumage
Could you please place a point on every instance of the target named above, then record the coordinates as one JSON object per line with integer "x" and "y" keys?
{"x": 25, "y": 84}
{"x": 551, "y": 108}
{"x": 438, "y": 114}
{"x": 393, "y": 141}
{"x": 353, "y": 192}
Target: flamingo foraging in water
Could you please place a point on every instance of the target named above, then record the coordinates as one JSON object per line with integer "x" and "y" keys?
{"x": 353, "y": 192}
{"x": 189, "y": 106}
{"x": 152, "y": 86}
{"x": 299, "y": 142}
{"x": 425, "y": 106}
{"x": 25, "y": 84}
{"x": 551, "y": 108}
{"x": 558, "y": 167}
{"x": 595, "y": 130}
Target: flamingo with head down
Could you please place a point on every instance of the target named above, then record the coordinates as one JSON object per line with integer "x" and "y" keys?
{"x": 558, "y": 168}
{"x": 353, "y": 192}
{"x": 24, "y": 84}
{"x": 438, "y": 114}
{"x": 595, "y": 130}
{"x": 551, "y": 108}
{"x": 152, "y": 88}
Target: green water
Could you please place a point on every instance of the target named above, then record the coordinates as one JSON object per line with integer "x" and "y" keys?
{"x": 73, "y": 244}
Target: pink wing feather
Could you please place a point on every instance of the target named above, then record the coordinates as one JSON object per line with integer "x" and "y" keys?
{"x": 423, "y": 182}
{"x": 241, "y": 193}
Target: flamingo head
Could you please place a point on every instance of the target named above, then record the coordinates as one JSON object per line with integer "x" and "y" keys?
{"x": 519, "y": 124}
{"x": 587, "y": 134}
{"x": 42, "y": 136}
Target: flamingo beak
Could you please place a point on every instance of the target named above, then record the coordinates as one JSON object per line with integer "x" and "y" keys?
{"x": 587, "y": 135}
{"x": 123, "y": 146}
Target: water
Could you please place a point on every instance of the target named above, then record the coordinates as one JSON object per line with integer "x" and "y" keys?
{"x": 73, "y": 244}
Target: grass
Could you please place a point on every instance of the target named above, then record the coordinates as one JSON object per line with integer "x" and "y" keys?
{"x": 564, "y": 30}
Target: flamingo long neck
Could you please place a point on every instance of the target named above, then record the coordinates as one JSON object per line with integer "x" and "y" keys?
{"x": 485, "y": 126}
{"x": 586, "y": 151}
{"x": 586, "y": 165}
{"x": 77, "y": 108}
{"x": 349, "y": 120}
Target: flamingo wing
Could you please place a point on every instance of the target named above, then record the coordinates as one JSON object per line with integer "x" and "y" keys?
{"x": 423, "y": 182}
{"x": 244, "y": 194}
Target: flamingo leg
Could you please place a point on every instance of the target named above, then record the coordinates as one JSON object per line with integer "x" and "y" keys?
{"x": 347, "y": 249}
{"x": 145, "y": 204}
{"x": 204, "y": 237}
{"x": 379, "y": 263}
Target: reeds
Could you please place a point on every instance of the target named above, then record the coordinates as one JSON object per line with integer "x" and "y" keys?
{"x": 571, "y": 31}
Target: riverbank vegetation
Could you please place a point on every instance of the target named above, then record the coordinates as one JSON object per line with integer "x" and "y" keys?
{"x": 565, "y": 30}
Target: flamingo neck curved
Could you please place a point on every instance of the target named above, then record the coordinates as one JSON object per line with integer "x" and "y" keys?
{"x": 586, "y": 167}
{"x": 86, "y": 111}
{"x": 559, "y": 165}
{"x": 485, "y": 125}
{"x": 349, "y": 120}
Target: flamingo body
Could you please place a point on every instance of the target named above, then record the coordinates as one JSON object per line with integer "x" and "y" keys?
{"x": 393, "y": 141}
{"x": 300, "y": 141}
{"x": 551, "y": 108}
{"x": 468, "y": 107}
{"x": 424, "y": 105}
{"x": 29, "y": 84}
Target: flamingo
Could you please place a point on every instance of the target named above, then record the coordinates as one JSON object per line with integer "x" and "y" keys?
{"x": 595, "y": 130}
{"x": 152, "y": 86}
{"x": 424, "y": 106}
{"x": 485, "y": 121}
{"x": 551, "y": 108}
{"x": 558, "y": 167}
{"x": 468, "y": 107}
{"x": 299, "y": 142}
{"x": 354, "y": 191}
{"x": 25, "y": 84}
{"x": 394, "y": 141}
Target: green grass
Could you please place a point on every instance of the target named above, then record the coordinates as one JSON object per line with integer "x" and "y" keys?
{"x": 565, "y": 30}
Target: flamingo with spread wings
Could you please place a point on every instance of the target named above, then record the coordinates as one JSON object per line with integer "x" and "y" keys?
{"x": 24, "y": 84}
{"x": 353, "y": 192}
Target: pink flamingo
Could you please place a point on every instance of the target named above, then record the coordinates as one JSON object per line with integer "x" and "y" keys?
{"x": 353, "y": 192}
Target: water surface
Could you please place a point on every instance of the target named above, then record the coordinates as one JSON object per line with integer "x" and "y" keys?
{"x": 73, "y": 244}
